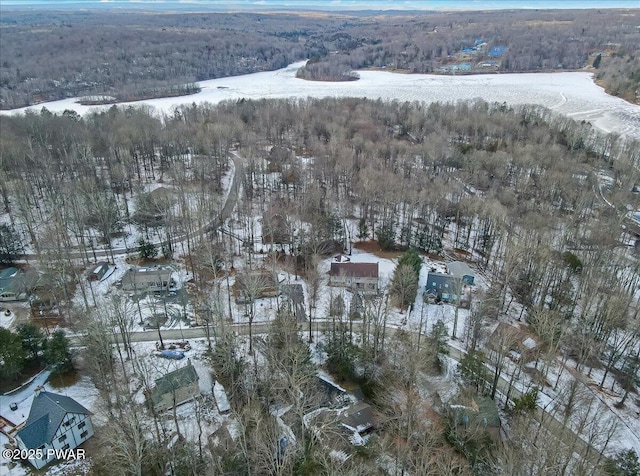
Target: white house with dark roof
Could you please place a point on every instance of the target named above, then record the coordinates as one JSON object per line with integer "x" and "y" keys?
{"x": 55, "y": 422}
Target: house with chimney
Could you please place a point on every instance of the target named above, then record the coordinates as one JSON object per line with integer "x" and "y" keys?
{"x": 56, "y": 423}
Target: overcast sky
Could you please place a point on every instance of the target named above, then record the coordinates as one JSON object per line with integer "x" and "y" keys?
{"x": 323, "y": 4}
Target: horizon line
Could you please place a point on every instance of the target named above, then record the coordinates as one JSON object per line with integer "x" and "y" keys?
{"x": 195, "y": 6}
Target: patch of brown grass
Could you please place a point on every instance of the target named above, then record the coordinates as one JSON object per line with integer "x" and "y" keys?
{"x": 372, "y": 246}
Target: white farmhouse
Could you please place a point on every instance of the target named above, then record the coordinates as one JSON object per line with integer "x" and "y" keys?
{"x": 55, "y": 422}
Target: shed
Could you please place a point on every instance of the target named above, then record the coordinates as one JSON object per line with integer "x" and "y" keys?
{"x": 221, "y": 398}
{"x": 98, "y": 272}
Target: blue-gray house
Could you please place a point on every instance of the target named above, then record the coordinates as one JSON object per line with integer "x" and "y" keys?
{"x": 16, "y": 284}
{"x": 55, "y": 423}
{"x": 443, "y": 287}
{"x": 497, "y": 51}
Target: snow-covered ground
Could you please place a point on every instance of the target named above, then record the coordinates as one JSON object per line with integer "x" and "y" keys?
{"x": 23, "y": 398}
{"x": 427, "y": 314}
{"x": 571, "y": 93}
{"x": 83, "y": 391}
{"x": 86, "y": 394}
{"x": 131, "y": 234}
{"x": 156, "y": 366}
{"x": 6, "y": 317}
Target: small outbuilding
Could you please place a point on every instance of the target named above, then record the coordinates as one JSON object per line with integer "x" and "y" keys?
{"x": 222, "y": 401}
{"x": 463, "y": 271}
{"x": 99, "y": 271}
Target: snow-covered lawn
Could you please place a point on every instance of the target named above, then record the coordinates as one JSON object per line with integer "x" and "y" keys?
{"x": 155, "y": 366}
{"x": 87, "y": 395}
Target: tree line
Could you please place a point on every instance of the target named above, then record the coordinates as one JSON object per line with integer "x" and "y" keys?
{"x": 127, "y": 56}
{"x": 516, "y": 188}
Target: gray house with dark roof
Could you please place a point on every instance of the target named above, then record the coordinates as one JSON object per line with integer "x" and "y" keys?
{"x": 15, "y": 284}
{"x": 147, "y": 279}
{"x": 462, "y": 270}
{"x": 358, "y": 418}
{"x": 443, "y": 287}
{"x": 358, "y": 277}
{"x": 447, "y": 288}
{"x": 175, "y": 388}
{"x": 55, "y": 422}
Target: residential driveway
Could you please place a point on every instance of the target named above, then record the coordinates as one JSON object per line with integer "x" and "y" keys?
{"x": 295, "y": 296}
{"x": 23, "y": 397}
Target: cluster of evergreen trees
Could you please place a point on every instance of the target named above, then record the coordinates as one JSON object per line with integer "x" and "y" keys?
{"x": 28, "y": 348}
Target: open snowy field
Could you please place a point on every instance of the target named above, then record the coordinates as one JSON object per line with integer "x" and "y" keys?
{"x": 573, "y": 94}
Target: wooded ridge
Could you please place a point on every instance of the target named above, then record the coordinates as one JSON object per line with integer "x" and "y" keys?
{"x": 136, "y": 55}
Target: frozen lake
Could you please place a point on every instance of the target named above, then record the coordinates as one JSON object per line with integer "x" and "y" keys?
{"x": 573, "y": 94}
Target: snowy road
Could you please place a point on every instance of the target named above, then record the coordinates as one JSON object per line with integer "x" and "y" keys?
{"x": 542, "y": 414}
{"x": 229, "y": 205}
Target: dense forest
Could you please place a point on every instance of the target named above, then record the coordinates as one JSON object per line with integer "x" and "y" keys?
{"x": 536, "y": 200}
{"x": 119, "y": 56}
